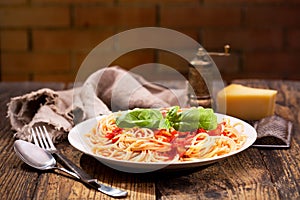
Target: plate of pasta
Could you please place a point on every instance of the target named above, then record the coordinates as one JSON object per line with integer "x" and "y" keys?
{"x": 144, "y": 140}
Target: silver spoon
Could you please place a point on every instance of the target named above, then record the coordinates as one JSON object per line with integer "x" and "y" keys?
{"x": 41, "y": 159}
{"x": 37, "y": 157}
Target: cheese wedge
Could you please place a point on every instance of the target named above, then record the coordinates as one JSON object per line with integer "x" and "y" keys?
{"x": 247, "y": 103}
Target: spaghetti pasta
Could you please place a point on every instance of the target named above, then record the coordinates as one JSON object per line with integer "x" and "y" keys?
{"x": 144, "y": 144}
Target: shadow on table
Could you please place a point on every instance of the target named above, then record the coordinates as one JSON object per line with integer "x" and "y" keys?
{"x": 100, "y": 170}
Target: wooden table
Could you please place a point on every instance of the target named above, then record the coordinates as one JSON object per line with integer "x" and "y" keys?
{"x": 253, "y": 174}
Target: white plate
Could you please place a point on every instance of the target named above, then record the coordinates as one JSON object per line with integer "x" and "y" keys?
{"x": 78, "y": 140}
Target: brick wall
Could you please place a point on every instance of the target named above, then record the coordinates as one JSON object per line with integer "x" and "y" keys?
{"x": 47, "y": 40}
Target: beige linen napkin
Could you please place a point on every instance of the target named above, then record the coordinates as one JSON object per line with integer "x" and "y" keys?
{"x": 106, "y": 90}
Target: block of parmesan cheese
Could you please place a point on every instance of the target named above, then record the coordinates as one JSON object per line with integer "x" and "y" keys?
{"x": 247, "y": 103}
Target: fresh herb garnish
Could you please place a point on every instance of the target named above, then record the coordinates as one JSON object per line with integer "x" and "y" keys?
{"x": 187, "y": 120}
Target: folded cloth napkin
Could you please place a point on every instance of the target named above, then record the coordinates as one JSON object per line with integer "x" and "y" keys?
{"x": 106, "y": 90}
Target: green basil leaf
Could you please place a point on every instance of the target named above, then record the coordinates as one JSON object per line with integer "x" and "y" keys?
{"x": 195, "y": 118}
{"x": 189, "y": 120}
{"x": 207, "y": 119}
{"x": 148, "y": 118}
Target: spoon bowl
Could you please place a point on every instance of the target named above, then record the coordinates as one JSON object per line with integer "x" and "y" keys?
{"x": 34, "y": 156}
{"x": 37, "y": 157}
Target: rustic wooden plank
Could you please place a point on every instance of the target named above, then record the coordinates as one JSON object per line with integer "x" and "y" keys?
{"x": 237, "y": 177}
{"x": 286, "y": 175}
{"x": 18, "y": 181}
{"x": 284, "y": 164}
{"x": 138, "y": 187}
{"x": 54, "y": 186}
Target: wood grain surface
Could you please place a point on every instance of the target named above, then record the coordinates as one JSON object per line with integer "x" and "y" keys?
{"x": 255, "y": 173}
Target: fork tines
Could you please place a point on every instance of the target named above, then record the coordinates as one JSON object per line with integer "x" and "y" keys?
{"x": 41, "y": 137}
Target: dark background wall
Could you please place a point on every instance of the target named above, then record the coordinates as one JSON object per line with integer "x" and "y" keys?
{"x": 47, "y": 40}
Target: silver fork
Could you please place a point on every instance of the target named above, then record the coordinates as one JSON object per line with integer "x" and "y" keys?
{"x": 42, "y": 139}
